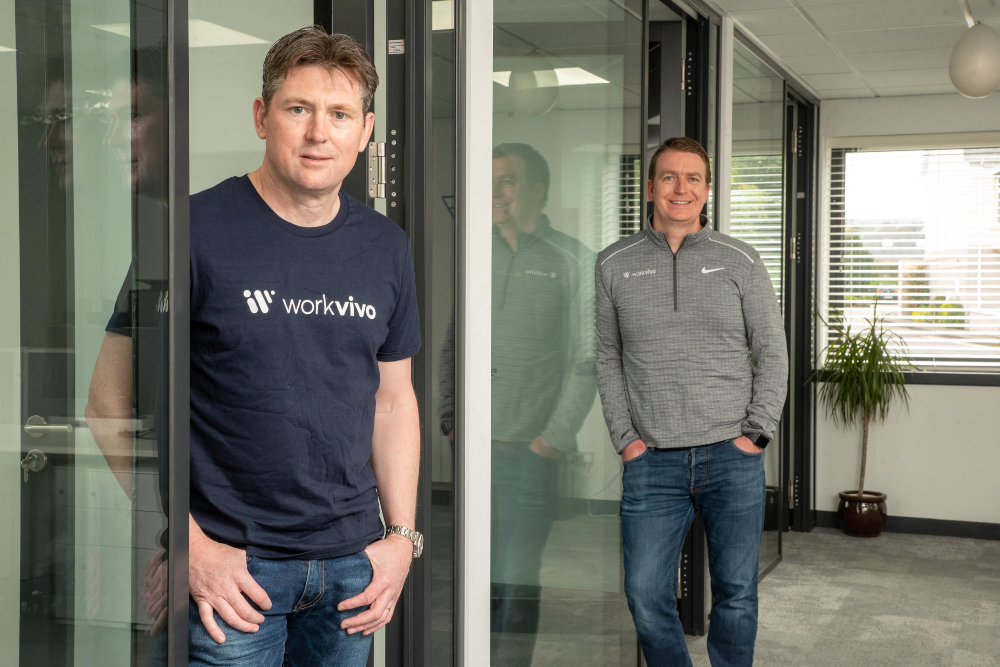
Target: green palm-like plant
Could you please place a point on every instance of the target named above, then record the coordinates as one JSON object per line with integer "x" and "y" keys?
{"x": 863, "y": 376}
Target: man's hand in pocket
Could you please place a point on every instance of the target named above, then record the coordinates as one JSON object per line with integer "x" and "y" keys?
{"x": 218, "y": 579}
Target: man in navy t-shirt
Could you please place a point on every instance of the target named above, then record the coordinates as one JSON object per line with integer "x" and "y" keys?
{"x": 303, "y": 323}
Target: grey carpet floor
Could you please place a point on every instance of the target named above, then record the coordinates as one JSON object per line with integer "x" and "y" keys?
{"x": 905, "y": 600}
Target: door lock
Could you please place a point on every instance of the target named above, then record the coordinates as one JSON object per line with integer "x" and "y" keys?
{"x": 36, "y": 427}
{"x": 35, "y": 461}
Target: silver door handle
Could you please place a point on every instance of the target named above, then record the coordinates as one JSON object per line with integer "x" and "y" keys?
{"x": 36, "y": 427}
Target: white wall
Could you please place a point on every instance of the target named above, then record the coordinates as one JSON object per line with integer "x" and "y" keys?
{"x": 940, "y": 459}
{"x": 921, "y": 114}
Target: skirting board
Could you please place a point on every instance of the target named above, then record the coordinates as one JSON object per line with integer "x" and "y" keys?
{"x": 938, "y": 527}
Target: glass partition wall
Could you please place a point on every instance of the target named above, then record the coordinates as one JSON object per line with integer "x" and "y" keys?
{"x": 756, "y": 217}
{"x": 86, "y": 334}
{"x": 567, "y": 136}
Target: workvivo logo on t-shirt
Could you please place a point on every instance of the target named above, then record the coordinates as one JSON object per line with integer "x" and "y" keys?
{"x": 258, "y": 302}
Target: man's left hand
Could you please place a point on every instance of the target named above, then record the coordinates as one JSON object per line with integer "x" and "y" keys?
{"x": 746, "y": 444}
{"x": 542, "y": 447}
{"x": 390, "y": 559}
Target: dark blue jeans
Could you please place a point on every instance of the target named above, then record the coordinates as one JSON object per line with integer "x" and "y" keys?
{"x": 525, "y": 496}
{"x": 302, "y": 627}
{"x": 662, "y": 490}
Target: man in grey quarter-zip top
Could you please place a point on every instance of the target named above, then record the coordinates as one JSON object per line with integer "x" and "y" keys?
{"x": 544, "y": 384}
{"x": 692, "y": 371}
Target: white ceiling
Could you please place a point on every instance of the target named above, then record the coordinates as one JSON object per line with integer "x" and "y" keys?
{"x": 863, "y": 48}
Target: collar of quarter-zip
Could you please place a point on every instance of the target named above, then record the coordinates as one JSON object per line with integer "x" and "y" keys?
{"x": 659, "y": 239}
{"x": 525, "y": 239}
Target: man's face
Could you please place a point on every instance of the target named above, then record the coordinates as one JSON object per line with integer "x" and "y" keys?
{"x": 56, "y": 137}
{"x": 136, "y": 134}
{"x": 679, "y": 190}
{"x": 314, "y": 129}
{"x": 513, "y": 197}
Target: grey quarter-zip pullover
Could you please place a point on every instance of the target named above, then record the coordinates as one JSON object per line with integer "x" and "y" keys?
{"x": 690, "y": 345}
{"x": 543, "y": 366}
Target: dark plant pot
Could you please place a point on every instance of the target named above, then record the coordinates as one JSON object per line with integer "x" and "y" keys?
{"x": 862, "y": 517}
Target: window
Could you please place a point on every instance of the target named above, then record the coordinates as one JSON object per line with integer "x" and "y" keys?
{"x": 917, "y": 231}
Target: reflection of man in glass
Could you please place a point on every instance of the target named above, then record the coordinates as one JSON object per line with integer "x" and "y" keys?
{"x": 693, "y": 372}
{"x": 544, "y": 382}
{"x": 125, "y": 399}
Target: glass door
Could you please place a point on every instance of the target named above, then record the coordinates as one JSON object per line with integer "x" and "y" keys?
{"x": 84, "y": 340}
{"x": 757, "y": 218}
{"x": 566, "y": 182}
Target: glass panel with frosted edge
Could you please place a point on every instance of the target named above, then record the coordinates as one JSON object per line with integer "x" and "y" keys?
{"x": 756, "y": 213}
{"x": 88, "y": 369}
{"x": 567, "y": 140}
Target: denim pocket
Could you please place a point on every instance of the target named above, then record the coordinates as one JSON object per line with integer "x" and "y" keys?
{"x": 752, "y": 455}
{"x": 633, "y": 460}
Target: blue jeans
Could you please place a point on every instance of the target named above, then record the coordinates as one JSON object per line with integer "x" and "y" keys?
{"x": 661, "y": 491}
{"x": 525, "y": 497}
{"x": 302, "y": 627}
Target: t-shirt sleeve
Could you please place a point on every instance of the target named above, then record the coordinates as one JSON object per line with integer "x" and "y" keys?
{"x": 121, "y": 315}
{"x": 403, "y": 339}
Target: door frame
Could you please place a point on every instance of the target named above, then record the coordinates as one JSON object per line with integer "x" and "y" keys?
{"x": 803, "y": 113}
{"x": 179, "y": 319}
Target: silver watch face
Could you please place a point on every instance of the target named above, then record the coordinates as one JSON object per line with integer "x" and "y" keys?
{"x": 418, "y": 544}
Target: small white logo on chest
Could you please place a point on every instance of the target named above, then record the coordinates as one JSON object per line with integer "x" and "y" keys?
{"x": 705, "y": 269}
{"x": 637, "y": 274}
{"x": 540, "y": 274}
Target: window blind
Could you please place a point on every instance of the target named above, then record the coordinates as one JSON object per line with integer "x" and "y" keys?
{"x": 917, "y": 231}
{"x": 755, "y": 210}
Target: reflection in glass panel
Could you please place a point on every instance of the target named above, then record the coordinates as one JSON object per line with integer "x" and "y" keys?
{"x": 567, "y": 141}
{"x": 757, "y": 215}
{"x": 84, "y": 366}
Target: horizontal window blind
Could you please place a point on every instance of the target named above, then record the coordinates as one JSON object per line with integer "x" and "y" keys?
{"x": 755, "y": 209}
{"x": 917, "y": 231}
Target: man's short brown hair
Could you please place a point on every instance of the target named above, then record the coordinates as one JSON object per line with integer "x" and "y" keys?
{"x": 314, "y": 46}
{"x": 681, "y": 145}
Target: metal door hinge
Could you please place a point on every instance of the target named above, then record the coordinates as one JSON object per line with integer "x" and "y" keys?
{"x": 376, "y": 170}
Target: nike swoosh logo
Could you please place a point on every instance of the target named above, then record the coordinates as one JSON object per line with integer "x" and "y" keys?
{"x": 707, "y": 270}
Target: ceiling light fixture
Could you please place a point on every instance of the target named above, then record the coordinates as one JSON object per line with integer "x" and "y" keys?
{"x": 565, "y": 76}
{"x": 974, "y": 67}
{"x": 200, "y": 33}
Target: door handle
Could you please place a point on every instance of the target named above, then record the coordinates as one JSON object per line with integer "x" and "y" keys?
{"x": 36, "y": 427}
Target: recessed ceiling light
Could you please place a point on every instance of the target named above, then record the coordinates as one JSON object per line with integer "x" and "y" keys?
{"x": 565, "y": 76}
{"x": 443, "y": 15}
{"x": 200, "y": 34}
{"x": 575, "y": 76}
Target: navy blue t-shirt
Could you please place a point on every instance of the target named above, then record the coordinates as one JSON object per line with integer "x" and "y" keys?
{"x": 287, "y": 326}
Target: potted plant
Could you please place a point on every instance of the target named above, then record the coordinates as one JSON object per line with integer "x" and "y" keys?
{"x": 862, "y": 378}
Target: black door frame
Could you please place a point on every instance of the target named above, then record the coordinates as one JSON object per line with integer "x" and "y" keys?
{"x": 406, "y": 118}
{"x": 798, "y": 435}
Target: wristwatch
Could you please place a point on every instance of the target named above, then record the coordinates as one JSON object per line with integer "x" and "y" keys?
{"x": 758, "y": 439}
{"x": 411, "y": 535}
